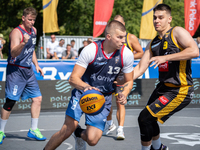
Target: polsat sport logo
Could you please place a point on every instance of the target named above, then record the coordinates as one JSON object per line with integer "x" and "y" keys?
{"x": 134, "y": 86}
{"x": 63, "y": 86}
{"x": 195, "y": 84}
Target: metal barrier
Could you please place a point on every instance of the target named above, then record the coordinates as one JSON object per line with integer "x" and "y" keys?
{"x": 41, "y": 50}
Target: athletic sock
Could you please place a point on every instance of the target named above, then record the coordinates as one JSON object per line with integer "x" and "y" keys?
{"x": 78, "y": 132}
{"x": 146, "y": 147}
{"x": 156, "y": 144}
{"x": 109, "y": 122}
{"x": 120, "y": 128}
{"x": 2, "y": 124}
{"x": 34, "y": 123}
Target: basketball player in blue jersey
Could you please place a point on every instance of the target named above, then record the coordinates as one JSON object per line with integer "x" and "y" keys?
{"x": 20, "y": 78}
{"x": 96, "y": 68}
{"x": 131, "y": 41}
{"x": 171, "y": 51}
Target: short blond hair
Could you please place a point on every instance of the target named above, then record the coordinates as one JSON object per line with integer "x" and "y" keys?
{"x": 113, "y": 25}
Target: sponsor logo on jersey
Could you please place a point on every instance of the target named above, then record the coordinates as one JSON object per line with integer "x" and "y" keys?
{"x": 155, "y": 45}
{"x": 116, "y": 59}
{"x": 163, "y": 100}
{"x": 75, "y": 102}
{"x": 100, "y": 63}
{"x": 157, "y": 105}
{"x": 101, "y": 78}
{"x": 99, "y": 58}
{"x": 167, "y": 34}
{"x": 164, "y": 67}
{"x": 28, "y": 50}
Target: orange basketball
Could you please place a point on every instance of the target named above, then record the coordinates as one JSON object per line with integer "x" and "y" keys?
{"x": 92, "y": 102}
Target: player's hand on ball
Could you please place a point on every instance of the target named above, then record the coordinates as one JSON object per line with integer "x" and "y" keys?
{"x": 90, "y": 88}
{"x": 121, "y": 98}
{"x": 26, "y": 38}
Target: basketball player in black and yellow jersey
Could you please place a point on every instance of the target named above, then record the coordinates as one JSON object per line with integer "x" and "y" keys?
{"x": 171, "y": 51}
{"x": 131, "y": 41}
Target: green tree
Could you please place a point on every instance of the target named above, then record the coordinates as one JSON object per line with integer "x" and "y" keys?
{"x": 75, "y": 17}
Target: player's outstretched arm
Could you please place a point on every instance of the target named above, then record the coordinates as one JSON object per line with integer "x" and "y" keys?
{"x": 143, "y": 64}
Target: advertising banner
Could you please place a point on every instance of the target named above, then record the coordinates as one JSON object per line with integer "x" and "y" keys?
{"x": 50, "y": 19}
{"x": 56, "y": 94}
{"x": 102, "y": 13}
{"x": 192, "y": 15}
{"x": 56, "y": 90}
{"x": 147, "y": 30}
{"x": 61, "y": 70}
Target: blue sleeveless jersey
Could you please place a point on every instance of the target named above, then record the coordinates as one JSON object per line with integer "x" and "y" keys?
{"x": 102, "y": 71}
{"x": 24, "y": 59}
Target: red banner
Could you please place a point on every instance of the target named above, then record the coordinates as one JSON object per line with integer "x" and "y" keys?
{"x": 192, "y": 15}
{"x": 102, "y": 13}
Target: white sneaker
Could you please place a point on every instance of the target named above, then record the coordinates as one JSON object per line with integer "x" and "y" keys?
{"x": 109, "y": 128}
{"x": 120, "y": 134}
{"x": 80, "y": 144}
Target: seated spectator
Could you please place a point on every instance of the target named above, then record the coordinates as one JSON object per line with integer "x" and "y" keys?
{"x": 73, "y": 48}
{"x": 51, "y": 45}
{"x": 2, "y": 42}
{"x": 85, "y": 43}
{"x": 59, "y": 49}
{"x": 68, "y": 54}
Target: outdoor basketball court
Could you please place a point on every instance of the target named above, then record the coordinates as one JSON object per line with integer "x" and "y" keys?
{"x": 180, "y": 132}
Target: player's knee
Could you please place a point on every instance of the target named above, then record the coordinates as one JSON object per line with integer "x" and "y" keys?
{"x": 156, "y": 129}
{"x": 146, "y": 122}
{"x": 37, "y": 99}
{"x": 92, "y": 139}
{"x": 9, "y": 104}
{"x": 92, "y": 142}
{"x": 120, "y": 106}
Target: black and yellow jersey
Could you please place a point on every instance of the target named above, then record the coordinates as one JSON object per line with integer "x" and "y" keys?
{"x": 172, "y": 73}
{"x": 127, "y": 44}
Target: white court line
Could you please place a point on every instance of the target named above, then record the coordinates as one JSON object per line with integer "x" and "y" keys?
{"x": 28, "y": 130}
{"x": 198, "y": 126}
{"x": 70, "y": 146}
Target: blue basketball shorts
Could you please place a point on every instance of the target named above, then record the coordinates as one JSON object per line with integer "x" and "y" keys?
{"x": 21, "y": 82}
{"x": 97, "y": 120}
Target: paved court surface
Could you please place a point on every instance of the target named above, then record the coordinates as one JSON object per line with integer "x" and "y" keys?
{"x": 180, "y": 132}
